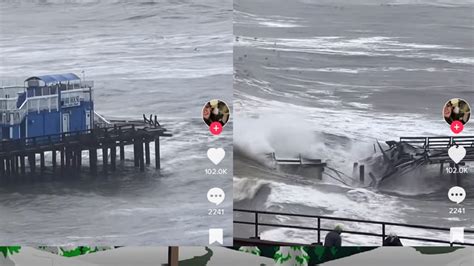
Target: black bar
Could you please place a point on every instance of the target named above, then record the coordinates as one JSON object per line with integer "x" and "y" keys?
{"x": 42, "y": 164}
{"x": 79, "y": 159}
{"x": 32, "y": 162}
{"x": 12, "y": 165}
{"x": 319, "y": 230}
{"x": 113, "y": 156}
{"x": 256, "y": 225}
{"x": 62, "y": 154}
{"x": 53, "y": 153}
{"x": 147, "y": 152}
{"x": 93, "y": 160}
{"x": 74, "y": 159}
{"x": 22, "y": 164}
{"x": 122, "y": 151}
{"x": 8, "y": 170}
{"x": 68, "y": 158}
{"x": 105, "y": 158}
{"x": 2, "y": 166}
{"x": 383, "y": 232}
{"x": 15, "y": 165}
{"x": 135, "y": 153}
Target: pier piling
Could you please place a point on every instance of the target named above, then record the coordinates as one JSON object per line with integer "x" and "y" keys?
{"x": 22, "y": 164}
{"x": 362, "y": 174}
{"x": 74, "y": 160}
{"x": 105, "y": 158}
{"x": 79, "y": 159}
{"x": 141, "y": 156}
{"x": 135, "y": 153}
{"x": 53, "y": 159}
{"x": 32, "y": 162}
{"x": 8, "y": 167}
{"x": 122, "y": 151}
{"x": 42, "y": 162}
{"x": 69, "y": 147}
{"x": 93, "y": 160}
{"x": 113, "y": 157}
{"x": 147, "y": 152}
{"x": 157, "y": 153}
{"x": 2, "y": 167}
{"x": 63, "y": 157}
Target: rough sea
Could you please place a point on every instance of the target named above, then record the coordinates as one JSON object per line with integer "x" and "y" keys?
{"x": 327, "y": 79}
{"x": 146, "y": 57}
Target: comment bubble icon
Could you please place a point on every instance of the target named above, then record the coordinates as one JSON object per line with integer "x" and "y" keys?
{"x": 456, "y": 194}
{"x": 216, "y": 195}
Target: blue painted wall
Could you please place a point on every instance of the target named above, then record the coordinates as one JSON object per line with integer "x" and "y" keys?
{"x": 48, "y": 123}
{"x": 43, "y": 123}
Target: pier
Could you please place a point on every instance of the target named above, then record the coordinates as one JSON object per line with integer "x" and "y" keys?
{"x": 301, "y": 166}
{"x": 415, "y": 151}
{"x": 20, "y": 156}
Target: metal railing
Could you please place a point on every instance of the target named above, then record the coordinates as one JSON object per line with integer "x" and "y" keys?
{"x": 40, "y": 103}
{"x": 10, "y": 91}
{"x": 319, "y": 218}
{"x": 8, "y": 103}
{"x": 12, "y": 117}
{"x": 10, "y": 114}
{"x": 439, "y": 142}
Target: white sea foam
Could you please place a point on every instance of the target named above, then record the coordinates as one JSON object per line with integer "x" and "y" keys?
{"x": 247, "y": 188}
{"x": 277, "y": 24}
{"x": 360, "y": 46}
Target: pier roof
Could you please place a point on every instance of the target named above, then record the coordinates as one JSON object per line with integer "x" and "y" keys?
{"x": 55, "y": 78}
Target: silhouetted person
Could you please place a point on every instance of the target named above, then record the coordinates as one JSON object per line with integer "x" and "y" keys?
{"x": 333, "y": 238}
{"x": 392, "y": 240}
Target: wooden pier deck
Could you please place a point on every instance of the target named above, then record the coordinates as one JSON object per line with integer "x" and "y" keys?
{"x": 19, "y": 157}
{"x": 301, "y": 166}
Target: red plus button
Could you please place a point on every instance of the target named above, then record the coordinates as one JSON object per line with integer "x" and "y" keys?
{"x": 215, "y": 128}
{"x": 457, "y": 127}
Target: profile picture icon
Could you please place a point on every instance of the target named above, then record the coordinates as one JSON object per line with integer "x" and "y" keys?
{"x": 456, "y": 109}
{"x": 215, "y": 111}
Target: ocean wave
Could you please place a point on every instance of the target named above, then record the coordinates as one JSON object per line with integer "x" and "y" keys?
{"x": 437, "y": 3}
{"x": 247, "y": 188}
{"x": 275, "y": 21}
{"x": 358, "y": 70}
{"x": 278, "y": 24}
{"x": 375, "y": 46}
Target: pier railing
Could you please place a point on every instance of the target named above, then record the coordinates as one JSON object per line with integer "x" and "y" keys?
{"x": 257, "y": 224}
{"x": 439, "y": 143}
{"x": 82, "y": 136}
{"x": 10, "y": 91}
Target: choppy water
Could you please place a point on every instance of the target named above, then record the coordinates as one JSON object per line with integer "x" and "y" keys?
{"x": 326, "y": 79}
{"x": 155, "y": 57}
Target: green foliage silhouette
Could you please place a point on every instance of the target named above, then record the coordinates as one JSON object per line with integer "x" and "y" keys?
{"x": 9, "y": 250}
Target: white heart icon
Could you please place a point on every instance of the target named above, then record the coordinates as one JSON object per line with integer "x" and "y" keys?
{"x": 457, "y": 153}
{"x": 216, "y": 155}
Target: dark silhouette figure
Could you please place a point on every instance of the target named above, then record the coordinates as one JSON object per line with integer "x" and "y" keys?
{"x": 333, "y": 238}
{"x": 392, "y": 240}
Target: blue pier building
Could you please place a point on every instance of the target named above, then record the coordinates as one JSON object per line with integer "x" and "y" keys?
{"x": 46, "y": 105}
